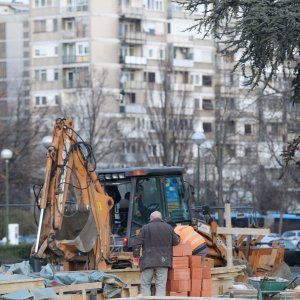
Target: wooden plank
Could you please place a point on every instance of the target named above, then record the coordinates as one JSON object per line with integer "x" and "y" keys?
{"x": 15, "y": 285}
{"x": 244, "y": 231}
{"x": 77, "y": 287}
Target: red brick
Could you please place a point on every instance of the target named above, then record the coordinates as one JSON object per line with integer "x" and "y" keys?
{"x": 182, "y": 250}
{"x": 184, "y": 294}
{"x": 196, "y": 284}
{"x": 180, "y": 262}
{"x": 207, "y": 284}
{"x": 177, "y": 250}
{"x": 186, "y": 250}
{"x": 206, "y": 273}
{"x": 195, "y": 293}
{"x": 195, "y": 261}
{"x": 206, "y": 293}
{"x": 207, "y": 262}
{"x": 179, "y": 285}
{"x": 196, "y": 273}
{"x": 179, "y": 274}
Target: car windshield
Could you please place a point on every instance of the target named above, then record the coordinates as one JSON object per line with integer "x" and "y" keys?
{"x": 289, "y": 234}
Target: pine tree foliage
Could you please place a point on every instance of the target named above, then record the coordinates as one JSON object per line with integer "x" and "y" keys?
{"x": 265, "y": 32}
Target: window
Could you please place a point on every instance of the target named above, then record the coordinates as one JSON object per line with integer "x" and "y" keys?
{"x": 56, "y": 100}
{"x": 43, "y": 75}
{"x": 40, "y": 100}
{"x": 207, "y": 127}
{"x": 131, "y": 97}
{"x": 2, "y": 31}
{"x": 197, "y": 79}
{"x": 39, "y": 26}
{"x": 149, "y": 77}
{"x": 231, "y": 126}
{"x": 206, "y": 80}
{"x": 55, "y": 25}
{"x": 248, "y": 129}
{"x": 231, "y": 150}
{"x": 155, "y": 5}
{"x": 207, "y": 104}
{"x": 56, "y": 76}
{"x": 150, "y": 53}
{"x": 248, "y": 152}
{"x": 196, "y": 103}
{"x": 161, "y": 53}
{"x": 2, "y": 69}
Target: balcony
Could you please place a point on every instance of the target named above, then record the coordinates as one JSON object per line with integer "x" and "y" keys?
{"x": 183, "y": 63}
{"x": 184, "y": 87}
{"x": 74, "y": 59}
{"x": 68, "y": 34}
{"x": 129, "y": 12}
{"x": 76, "y": 8}
{"x": 134, "y": 85}
{"x": 134, "y": 61}
{"x": 134, "y": 37}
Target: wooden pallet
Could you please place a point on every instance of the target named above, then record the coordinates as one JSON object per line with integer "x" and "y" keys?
{"x": 79, "y": 291}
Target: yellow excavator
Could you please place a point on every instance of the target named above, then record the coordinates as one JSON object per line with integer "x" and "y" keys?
{"x": 88, "y": 217}
{"x": 74, "y": 209}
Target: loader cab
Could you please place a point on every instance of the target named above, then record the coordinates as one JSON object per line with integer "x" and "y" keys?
{"x": 138, "y": 192}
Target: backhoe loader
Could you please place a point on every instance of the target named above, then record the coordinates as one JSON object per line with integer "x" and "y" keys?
{"x": 89, "y": 218}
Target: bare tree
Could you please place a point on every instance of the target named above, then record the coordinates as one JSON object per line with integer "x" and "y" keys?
{"x": 90, "y": 112}
{"x": 171, "y": 114}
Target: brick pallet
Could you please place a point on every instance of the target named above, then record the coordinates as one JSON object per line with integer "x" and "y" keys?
{"x": 189, "y": 276}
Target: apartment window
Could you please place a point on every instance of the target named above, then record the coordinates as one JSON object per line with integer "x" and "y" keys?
{"x": 248, "y": 129}
{"x": 2, "y": 69}
{"x": 152, "y": 150}
{"x": 197, "y": 103}
{"x": 231, "y": 151}
{"x": 131, "y": 98}
{"x": 197, "y": 79}
{"x": 231, "y": 127}
{"x": 149, "y": 77}
{"x": 150, "y": 53}
{"x": 55, "y": 25}
{"x": 155, "y": 5}
{"x": 2, "y": 50}
{"x": 151, "y": 31}
{"x": 39, "y": 26}
{"x": 45, "y": 3}
{"x": 206, "y": 80}
{"x": 2, "y": 31}
{"x": 56, "y": 100}
{"x": 40, "y": 100}
{"x": 248, "y": 152}
{"x": 43, "y": 75}
{"x": 161, "y": 53}
{"x": 207, "y": 104}
{"x": 207, "y": 127}
{"x": 56, "y": 76}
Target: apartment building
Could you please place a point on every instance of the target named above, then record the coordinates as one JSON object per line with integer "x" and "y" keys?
{"x": 161, "y": 82}
{"x": 150, "y": 61}
{"x": 14, "y": 57}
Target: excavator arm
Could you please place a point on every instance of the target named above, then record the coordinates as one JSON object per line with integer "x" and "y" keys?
{"x": 74, "y": 223}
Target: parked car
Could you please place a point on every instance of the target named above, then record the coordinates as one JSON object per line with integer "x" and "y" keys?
{"x": 291, "y": 252}
{"x": 293, "y": 236}
{"x": 268, "y": 239}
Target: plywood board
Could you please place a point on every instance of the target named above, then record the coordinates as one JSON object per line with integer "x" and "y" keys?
{"x": 15, "y": 285}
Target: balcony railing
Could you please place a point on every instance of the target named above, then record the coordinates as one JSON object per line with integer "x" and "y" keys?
{"x": 134, "y": 61}
{"x": 73, "y": 59}
{"x": 76, "y": 8}
{"x": 138, "y": 37}
{"x": 183, "y": 63}
{"x": 185, "y": 87}
{"x": 134, "y": 85}
{"x": 130, "y": 12}
{"x": 71, "y": 34}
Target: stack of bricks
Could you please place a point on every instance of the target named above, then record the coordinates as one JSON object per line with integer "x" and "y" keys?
{"x": 189, "y": 276}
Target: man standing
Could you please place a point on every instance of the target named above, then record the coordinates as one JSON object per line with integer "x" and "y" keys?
{"x": 156, "y": 239}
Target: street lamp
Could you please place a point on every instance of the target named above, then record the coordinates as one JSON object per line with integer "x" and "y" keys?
{"x": 6, "y": 154}
{"x": 198, "y": 138}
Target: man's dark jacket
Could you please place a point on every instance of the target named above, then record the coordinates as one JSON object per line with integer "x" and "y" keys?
{"x": 156, "y": 239}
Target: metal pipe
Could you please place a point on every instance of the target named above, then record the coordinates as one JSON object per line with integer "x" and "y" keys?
{"x": 7, "y": 199}
{"x": 39, "y": 231}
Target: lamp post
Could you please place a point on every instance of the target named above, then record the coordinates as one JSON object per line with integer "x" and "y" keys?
{"x": 198, "y": 138}
{"x": 6, "y": 154}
